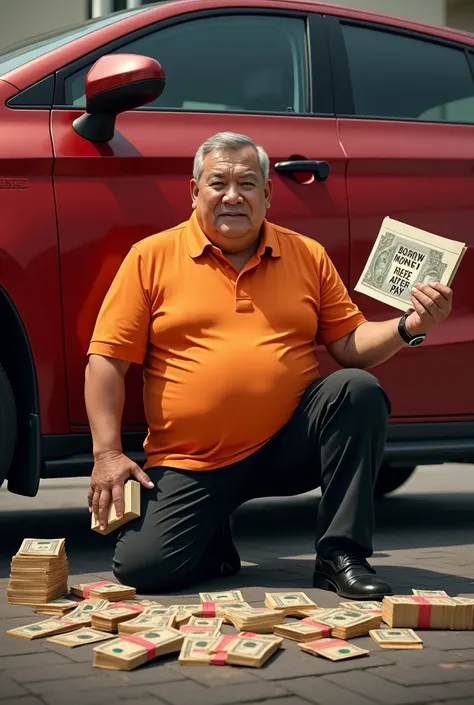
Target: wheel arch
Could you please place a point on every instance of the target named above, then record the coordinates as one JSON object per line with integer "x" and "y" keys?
{"x": 16, "y": 357}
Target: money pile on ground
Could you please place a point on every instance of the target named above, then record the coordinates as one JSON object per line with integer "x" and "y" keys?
{"x": 396, "y": 638}
{"x": 39, "y": 572}
{"x": 290, "y": 604}
{"x": 419, "y": 612}
{"x": 58, "y": 607}
{"x": 245, "y": 649}
{"x": 86, "y": 635}
{"x": 104, "y": 589}
{"x": 202, "y": 626}
{"x": 80, "y": 617}
{"x": 258, "y": 619}
{"x": 130, "y": 651}
{"x": 151, "y": 618}
{"x": 109, "y": 619}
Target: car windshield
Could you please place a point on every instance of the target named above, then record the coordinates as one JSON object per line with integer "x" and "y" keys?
{"x": 19, "y": 54}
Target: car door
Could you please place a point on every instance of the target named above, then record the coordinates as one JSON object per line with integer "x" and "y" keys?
{"x": 405, "y": 108}
{"x": 261, "y": 73}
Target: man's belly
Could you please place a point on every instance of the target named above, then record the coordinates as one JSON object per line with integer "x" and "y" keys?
{"x": 225, "y": 404}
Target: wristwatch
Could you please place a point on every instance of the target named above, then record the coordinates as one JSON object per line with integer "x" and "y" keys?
{"x": 411, "y": 340}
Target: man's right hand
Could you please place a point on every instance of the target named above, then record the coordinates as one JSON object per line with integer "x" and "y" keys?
{"x": 111, "y": 471}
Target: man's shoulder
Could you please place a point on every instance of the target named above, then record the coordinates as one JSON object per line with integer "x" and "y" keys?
{"x": 160, "y": 242}
{"x": 291, "y": 239}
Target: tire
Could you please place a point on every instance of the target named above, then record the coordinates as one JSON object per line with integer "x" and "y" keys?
{"x": 391, "y": 478}
{"x": 8, "y": 425}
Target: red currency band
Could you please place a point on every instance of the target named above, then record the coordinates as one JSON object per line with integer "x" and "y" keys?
{"x": 208, "y": 609}
{"x": 424, "y": 612}
{"x": 140, "y": 641}
{"x": 326, "y": 643}
{"x": 248, "y": 634}
{"x": 324, "y": 629}
{"x": 86, "y": 590}
{"x": 219, "y": 659}
{"x": 192, "y": 628}
{"x": 135, "y": 608}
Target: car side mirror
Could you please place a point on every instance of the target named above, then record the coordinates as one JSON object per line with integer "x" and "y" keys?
{"x": 114, "y": 84}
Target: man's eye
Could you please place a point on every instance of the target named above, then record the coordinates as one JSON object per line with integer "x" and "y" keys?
{"x": 216, "y": 184}
{"x": 248, "y": 183}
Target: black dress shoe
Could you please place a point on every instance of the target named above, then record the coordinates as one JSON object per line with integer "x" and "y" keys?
{"x": 350, "y": 576}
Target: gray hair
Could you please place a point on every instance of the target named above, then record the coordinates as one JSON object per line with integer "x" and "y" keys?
{"x": 229, "y": 140}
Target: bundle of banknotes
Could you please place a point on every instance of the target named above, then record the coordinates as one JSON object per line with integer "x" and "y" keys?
{"x": 429, "y": 610}
{"x": 39, "y": 572}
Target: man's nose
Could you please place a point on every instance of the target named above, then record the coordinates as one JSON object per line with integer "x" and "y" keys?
{"x": 232, "y": 194}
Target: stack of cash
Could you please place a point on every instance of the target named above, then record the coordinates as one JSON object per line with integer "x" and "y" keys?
{"x": 199, "y": 626}
{"x": 130, "y": 651}
{"x": 109, "y": 619}
{"x": 80, "y": 637}
{"x": 183, "y": 613}
{"x": 463, "y": 615}
{"x": 367, "y": 607}
{"x": 48, "y": 627}
{"x": 290, "y": 604}
{"x": 218, "y": 609}
{"x": 57, "y": 608}
{"x": 103, "y": 589}
{"x": 307, "y": 630}
{"x": 199, "y": 651}
{"x": 414, "y": 611}
{"x": 347, "y": 624}
{"x": 396, "y": 638}
{"x": 333, "y": 649}
{"x": 259, "y": 619}
{"x": 252, "y": 652}
{"x": 430, "y": 593}
{"x": 39, "y": 572}
{"x": 211, "y": 600}
{"x": 151, "y": 618}
{"x": 82, "y": 614}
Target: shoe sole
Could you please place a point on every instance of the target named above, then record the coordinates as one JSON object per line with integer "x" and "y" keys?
{"x": 324, "y": 583}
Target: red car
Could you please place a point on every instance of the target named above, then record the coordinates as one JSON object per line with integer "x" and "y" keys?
{"x": 363, "y": 116}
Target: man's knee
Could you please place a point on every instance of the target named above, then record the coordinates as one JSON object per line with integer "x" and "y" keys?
{"x": 151, "y": 570}
{"x": 363, "y": 389}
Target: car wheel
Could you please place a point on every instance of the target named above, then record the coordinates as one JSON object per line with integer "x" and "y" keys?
{"x": 391, "y": 478}
{"x": 8, "y": 426}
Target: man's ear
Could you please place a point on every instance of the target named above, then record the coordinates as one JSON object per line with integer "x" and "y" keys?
{"x": 194, "y": 192}
{"x": 268, "y": 193}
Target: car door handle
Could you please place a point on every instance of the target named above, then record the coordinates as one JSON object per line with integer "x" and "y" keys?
{"x": 319, "y": 169}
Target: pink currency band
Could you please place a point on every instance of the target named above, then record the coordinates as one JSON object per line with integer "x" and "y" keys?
{"x": 192, "y": 628}
{"x": 134, "y": 608}
{"x": 140, "y": 641}
{"x": 424, "y": 611}
{"x": 208, "y": 609}
{"x": 219, "y": 659}
{"x": 86, "y": 590}
{"x": 326, "y": 643}
{"x": 224, "y": 641}
{"x": 323, "y": 628}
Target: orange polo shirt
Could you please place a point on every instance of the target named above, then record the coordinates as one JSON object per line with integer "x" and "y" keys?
{"x": 226, "y": 355}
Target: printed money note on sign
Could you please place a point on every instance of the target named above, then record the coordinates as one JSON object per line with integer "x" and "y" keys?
{"x": 403, "y": 256}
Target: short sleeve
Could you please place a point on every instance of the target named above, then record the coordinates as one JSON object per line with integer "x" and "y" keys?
{"x": 122, "y": 327}
{"x": 338, "y": 314}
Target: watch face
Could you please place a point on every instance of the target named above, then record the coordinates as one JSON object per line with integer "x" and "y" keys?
{"x": 416, "y": 341}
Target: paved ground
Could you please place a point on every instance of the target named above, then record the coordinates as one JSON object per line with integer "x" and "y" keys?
{"x": 425, "y": 539}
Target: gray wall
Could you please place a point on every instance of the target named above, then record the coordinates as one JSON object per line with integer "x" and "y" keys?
{"x": 20, "y": 19}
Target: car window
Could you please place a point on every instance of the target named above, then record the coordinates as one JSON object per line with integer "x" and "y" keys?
{"x": 19, "y": 54}
{"x": 229, "y": 63}
{"x": 396, "y": 76}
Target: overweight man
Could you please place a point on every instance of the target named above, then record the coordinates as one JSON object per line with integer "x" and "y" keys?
{"x": 224, "y": 312}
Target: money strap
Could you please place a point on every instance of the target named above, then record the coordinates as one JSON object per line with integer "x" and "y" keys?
{"x": 140, "y": 641}
{"x": 326, "y": 643}
{"x": 134, "y": 608}
{"x": 324, "y": 629}
{"x": 86, "y": 590}
{"x": 194, "y": 628}
{"x": 424, "y": 611}
{"x": 219, "y": 659}
{"x": 208, "y": 609}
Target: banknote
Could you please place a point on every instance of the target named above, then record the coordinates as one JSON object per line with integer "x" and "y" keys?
{"x": 333, "y": 649}
{"x": 231, "y": 596}
{"x": 80, "y": 637}
{"x": 42, "y": 629}
{"x": 339, "y": 617}
{"x": 253, "y": 648}
{"x": 288, "y": 599}
{"x": 362, "y": 606}
{"x": 123, "y": 649}
{"x": 198, "y": 650}
{"x": 395, "y": 635}
{"x": 41, "y": 547}
{"x": 84, "y": 610}
{"x": 404, "y": 256}
{"x": 214, "y": 622}
{"x": 430, "y": 593}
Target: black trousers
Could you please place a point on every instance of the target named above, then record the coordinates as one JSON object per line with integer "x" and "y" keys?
{"x": 335, "y": 440}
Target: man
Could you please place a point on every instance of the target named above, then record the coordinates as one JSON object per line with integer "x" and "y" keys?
{"x": 223, "y": 312}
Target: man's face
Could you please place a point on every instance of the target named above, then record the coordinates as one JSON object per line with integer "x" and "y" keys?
{"x": 231, "y": 198}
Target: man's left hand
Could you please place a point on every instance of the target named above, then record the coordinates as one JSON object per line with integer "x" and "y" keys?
{"x": 431, "y": 304}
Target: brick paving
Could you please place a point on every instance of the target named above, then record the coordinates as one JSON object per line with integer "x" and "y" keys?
{"x": 425, "y": 539}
